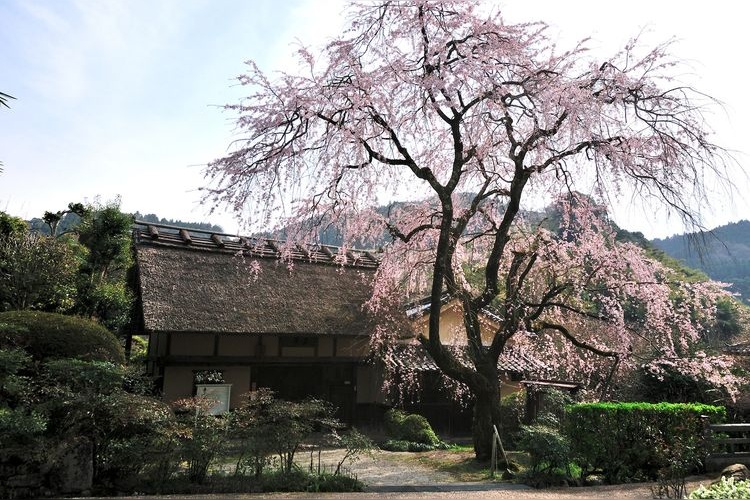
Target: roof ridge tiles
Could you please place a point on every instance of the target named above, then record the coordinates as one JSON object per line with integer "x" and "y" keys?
{"x": 151, "y": 233}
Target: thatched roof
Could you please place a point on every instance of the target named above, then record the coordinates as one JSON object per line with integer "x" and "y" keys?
{"x": 195, "y": 281}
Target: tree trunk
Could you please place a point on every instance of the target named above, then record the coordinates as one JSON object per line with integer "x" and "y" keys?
{"x": 128, "y": 344}
{"x": 486, "y": 414}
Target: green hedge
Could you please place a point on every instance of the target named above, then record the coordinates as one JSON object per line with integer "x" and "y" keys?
{"x": 55, "y": 336}
{"x": 632, "y": 441}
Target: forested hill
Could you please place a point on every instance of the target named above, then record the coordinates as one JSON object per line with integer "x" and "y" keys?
{"x": 206, "y": 226}
{"x": 723, "y": 254}
{"x": 70, "y": 220}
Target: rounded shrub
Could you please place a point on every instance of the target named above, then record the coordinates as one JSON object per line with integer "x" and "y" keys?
{"x": 416, "y": 428}
{"x": 53, "y": 336}
{"x": 412, "y": 428}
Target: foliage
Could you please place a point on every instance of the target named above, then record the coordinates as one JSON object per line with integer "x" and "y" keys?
{"x": 109, "y": 303}
{"x": 553, "y": 407}
{"x": 36, "y": 272}
{"x": 61, "y": 222}
{"x": 549, "y": 453}
{"x": 547, "y": 448}
{"x": 20, "y": 424}
{"x": 12, "y": 226}
{"x": 104, "y": 233}
{"x": 209, "y": 377}
{"x": 48, "y": 403}
{"x": 13, "y": 386}
{"x": 410, "y": 427}
{"x": 4, "y": 98}
{"x": 677, "y": 460}
{"x": 631, "y": 441}
{"x": 725, "y": 488}
{"x": 355, "y": 444}
{"x": 46, "y": 335}
{"x": 512, "y": 415}
{"x": 205, "y": 226}
{"x": 700, "y": 378}
{"x": 141, "y": 443}
{"x": 264, "y": 424}
{"x": 513, "y": 412}
{"x": 203, "y": 435}
{"x": 330, "y": 483}
{"x": 86, "y": 398}
{"x": 471, "y": 118}
{"x": 19, "y": 427}
{"x": 412, "y": 446}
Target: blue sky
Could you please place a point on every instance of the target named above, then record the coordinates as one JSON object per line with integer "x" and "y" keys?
{"x": 122, "y": 97}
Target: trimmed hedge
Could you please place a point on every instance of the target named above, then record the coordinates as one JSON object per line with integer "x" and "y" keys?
{"x": 54, "y": 336}
{"x": 632, "y": 441}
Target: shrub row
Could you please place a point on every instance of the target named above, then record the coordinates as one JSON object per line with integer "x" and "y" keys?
{"x": 633, "y": 441}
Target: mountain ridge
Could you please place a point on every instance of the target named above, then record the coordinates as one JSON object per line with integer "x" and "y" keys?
{"x": 723, "y": 253}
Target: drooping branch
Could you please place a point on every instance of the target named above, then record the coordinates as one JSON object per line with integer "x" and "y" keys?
{"x": 577, "y": 342}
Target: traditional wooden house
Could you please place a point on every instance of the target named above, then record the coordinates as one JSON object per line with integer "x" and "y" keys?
{"x": 251, "y": 313}
{"x": 514, "y": 367}
{"x": 213, "y": 302}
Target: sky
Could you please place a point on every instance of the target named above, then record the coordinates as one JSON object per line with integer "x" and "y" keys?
{"x": 123, "y": 98}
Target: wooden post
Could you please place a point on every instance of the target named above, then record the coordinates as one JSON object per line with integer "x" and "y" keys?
{"x": 500, "y": 443}
{"x": 497, "y": 443}
{"x": 493, "y": 460}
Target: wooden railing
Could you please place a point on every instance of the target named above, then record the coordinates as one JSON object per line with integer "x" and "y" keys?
{"x": 728, "y": 444}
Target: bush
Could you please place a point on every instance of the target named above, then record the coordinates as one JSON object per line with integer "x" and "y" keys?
{"x": 355, "y": 443}
{"x": 547, "y": 448}
{"x": 400, "y": 445}
{"x": 633, "y": 441}
{"x": 204, "y": 435}
{"x": 512, "y": 413}
{"x": 141, "y": 441}
{"x": 410, "y": 427}
{"x": 55, "y": 336}
{"x": 292, "y": 480}
{"x": 727, "y": 488}
{"x": 15, "y": 388}
{"x": 18, "y": 427}
{"x": 549, "y": 455}
{"x": 263, "y": 425}
{"x": 335, "y": 483}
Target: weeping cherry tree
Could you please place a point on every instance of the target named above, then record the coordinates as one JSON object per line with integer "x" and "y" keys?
{"x": 442, "y": 103}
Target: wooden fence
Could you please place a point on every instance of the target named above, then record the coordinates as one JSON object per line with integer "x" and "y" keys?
{"x": 728, "y": 444}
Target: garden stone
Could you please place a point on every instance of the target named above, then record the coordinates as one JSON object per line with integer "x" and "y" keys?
{"x": 73, "y": 467}
{"x": 738, "y": 471}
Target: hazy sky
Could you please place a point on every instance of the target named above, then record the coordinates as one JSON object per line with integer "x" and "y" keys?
{"x": 122, "y": 97}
